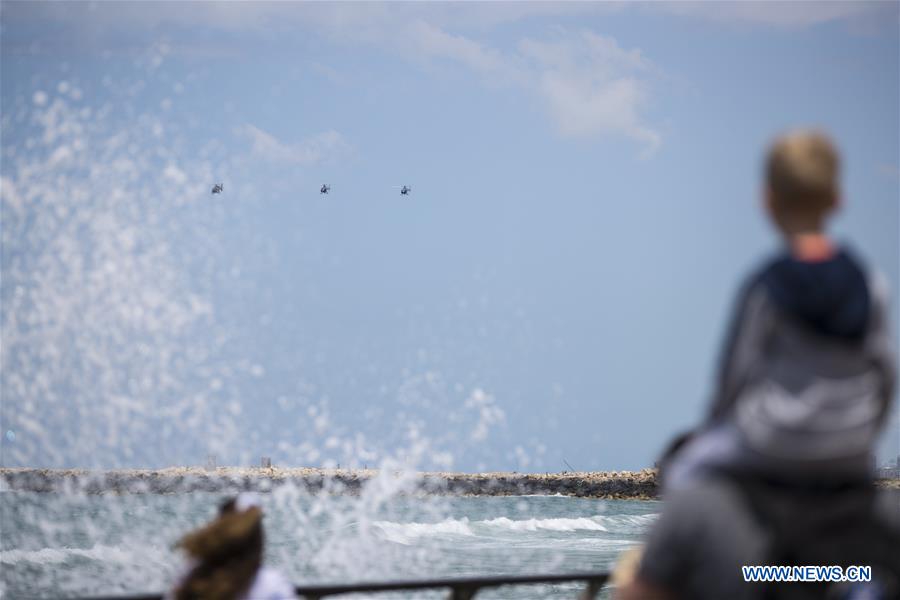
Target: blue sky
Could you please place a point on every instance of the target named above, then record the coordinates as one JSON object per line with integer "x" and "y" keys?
{"x": 585, "y": 201}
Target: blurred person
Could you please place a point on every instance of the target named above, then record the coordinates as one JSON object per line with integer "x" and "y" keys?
{"x": 781, "y": 472}
{"x": 708, "y": 531}
{"x": 225, "y": 558}
{"x": 807, "y": 373}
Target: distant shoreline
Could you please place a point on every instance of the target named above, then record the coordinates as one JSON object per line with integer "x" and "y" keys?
{"x": 631, "y": 485}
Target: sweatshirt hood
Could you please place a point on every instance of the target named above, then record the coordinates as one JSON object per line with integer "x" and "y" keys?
{"x": 830, "y": 296}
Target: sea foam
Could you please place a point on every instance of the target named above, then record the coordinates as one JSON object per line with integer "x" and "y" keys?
{"x": 52, "y": 556}
{"x": 406, "y": 533}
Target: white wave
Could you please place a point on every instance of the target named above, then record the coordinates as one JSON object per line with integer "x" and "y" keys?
{"x": 52, "y": 556}
{"x": 405, "y": 533}
{"x": 559, "y": 524}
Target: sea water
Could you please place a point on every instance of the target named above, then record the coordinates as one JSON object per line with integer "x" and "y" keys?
{"x": 70, "y": 545}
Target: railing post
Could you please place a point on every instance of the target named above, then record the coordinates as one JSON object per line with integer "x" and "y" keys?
{"x": 463, "y": 593}
{"x": 590, "y": 592}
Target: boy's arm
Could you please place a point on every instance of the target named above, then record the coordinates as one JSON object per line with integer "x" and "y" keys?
{"x": 744, "y": 345}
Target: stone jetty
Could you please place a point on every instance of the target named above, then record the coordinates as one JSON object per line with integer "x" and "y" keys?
{"x": 609, "y": 484}
{"x": 625, "y": 485}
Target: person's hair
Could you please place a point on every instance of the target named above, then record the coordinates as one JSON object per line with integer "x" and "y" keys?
{"x": 228, "y": 552}
{"x": 802, "y": 174}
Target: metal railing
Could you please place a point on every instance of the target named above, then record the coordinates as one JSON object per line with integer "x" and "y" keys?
{"x": 461, "y": 588}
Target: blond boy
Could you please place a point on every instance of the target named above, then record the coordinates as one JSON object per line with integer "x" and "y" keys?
{"x": 807, "y": 372}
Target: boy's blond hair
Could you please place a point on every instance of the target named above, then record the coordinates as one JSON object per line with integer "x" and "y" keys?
{"x": 802, "y": 175}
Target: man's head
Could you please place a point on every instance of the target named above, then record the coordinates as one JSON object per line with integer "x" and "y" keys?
{"x": 802, "y": 175}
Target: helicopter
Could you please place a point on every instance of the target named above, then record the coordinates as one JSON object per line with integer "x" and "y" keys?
{"x": 405, "y": 190}
{"x": 218, "y": 188}
{"x": 325, "y": 188}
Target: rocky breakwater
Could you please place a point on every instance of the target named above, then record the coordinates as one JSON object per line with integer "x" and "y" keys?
{"x": 614, "y": 484}
{"x": 635, "y": 485}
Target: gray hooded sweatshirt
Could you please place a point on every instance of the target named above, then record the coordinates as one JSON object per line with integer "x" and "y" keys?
{"x": 806, "y": 376}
